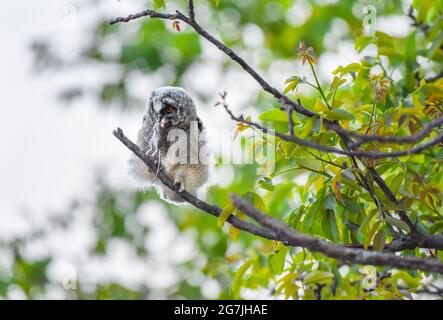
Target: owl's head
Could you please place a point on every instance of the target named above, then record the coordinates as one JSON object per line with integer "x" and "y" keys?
{"x": 171, "y": 107}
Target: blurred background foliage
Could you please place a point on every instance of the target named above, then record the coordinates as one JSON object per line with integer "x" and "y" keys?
{"x": 239, "y": 265}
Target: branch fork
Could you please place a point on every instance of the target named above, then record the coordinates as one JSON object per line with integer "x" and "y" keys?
{"x": 273, "y": 229}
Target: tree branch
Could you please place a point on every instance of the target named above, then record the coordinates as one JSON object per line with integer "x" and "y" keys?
{"x": 393, "y": 139}
{"x": 298, "y": 107}
{"x": 409, "y": 242}
{"x": 384, "y": 187}
{"x": 228, "y": 51}
{"x": 336, "y": 251}
{"x": 415, "y": 23}
{"x": 433, "y": 242}
{"x": 146, "y": 13}
{"x": 190, "y": 198}
{"x": 191, "y": 12}
{"x": 325, "y": 148}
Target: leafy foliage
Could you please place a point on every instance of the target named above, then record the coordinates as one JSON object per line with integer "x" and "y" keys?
{"x": 385, "y": 93}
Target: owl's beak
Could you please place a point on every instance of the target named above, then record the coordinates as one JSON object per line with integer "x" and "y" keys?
{"x": 166, "y": 121}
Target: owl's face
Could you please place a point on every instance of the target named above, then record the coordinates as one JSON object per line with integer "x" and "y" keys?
{"x": 171, "y": 107}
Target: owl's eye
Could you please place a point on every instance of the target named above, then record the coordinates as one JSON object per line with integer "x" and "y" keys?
{"x": 168, "y": 109}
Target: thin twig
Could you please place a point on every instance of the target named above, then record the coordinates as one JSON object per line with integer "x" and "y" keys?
{"x": 290, "y": 121}
{"x": 191, "y": 10}
{"x": 415, "y": 23}
{"x": 146, "y": 13}
{"x": 324, "y": 148}
{"x": 393, "y": 139}
{"x": 228, "y": 51}
{"x": 297, "y": 106}
{"x": 318, "y": 87}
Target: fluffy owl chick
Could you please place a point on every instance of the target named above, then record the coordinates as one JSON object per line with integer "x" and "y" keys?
{"x": 173, "y": 135}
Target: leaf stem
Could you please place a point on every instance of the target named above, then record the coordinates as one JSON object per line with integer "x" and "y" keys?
{"x": 318, "y": 85}
{"x": 372, "y": 116}
{"x": 326, "y": 161}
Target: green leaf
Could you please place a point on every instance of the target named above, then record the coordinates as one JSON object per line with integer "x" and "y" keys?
{"x": 254, "y": 199}
{"x": 411, "y": 50}
{"x": 295, "y": 216}
{"x": 339, "y": 69}
{"x": 411, "y": 168}
{"x": 366, "y": 220}
{"x": 430, "y": 89}
{"x": 437, "y": 227}
{"x": 396, "y": 182}
{"x": 398, "y": 223}
{"x": 333, "y": 225}
{"x": 316, "y": 209}
{"x": 266, "y": 184}
{"x": 159, "y": 3}
{"x": 309, "y": 218}
{"x": 330, "y": 201}
{"x": 217, "y": 2}
{"x": 338, "y": 114}
{"x": 354, "y": 67}
{"x": 379, "y": 241}
{"x": 238, "y": 278}
{"x": 307, "y": 127}
{"x": 320, "y": 106}
{"x": 436, "y": 45}
{"x": 278, "y": 259}
{"x": 277, "y": 115}
{"x": 336, "y": 82}
{"x": 224, "y": 215}
{"x": 363, "y": 42}
{"x": 352, "y": 205}
{"x": 320, "y": 277}
{"x": 292, "y": 84}
{"x": 370, "y": 235}
{"x": 423, "y": 8}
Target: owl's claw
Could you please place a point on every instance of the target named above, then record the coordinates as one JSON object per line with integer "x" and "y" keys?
{"x": 179, "y": 185}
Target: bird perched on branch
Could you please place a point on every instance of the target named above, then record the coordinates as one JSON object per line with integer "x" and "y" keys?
{"x": 173, "y": 135}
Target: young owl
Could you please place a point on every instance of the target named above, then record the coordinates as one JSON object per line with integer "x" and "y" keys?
{"x": 173, "y": 135}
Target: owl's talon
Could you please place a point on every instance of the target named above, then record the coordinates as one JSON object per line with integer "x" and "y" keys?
{"x": 179, "y": 185}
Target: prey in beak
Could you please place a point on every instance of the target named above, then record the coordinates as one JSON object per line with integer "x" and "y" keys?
{"x": 166, "y": 122}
